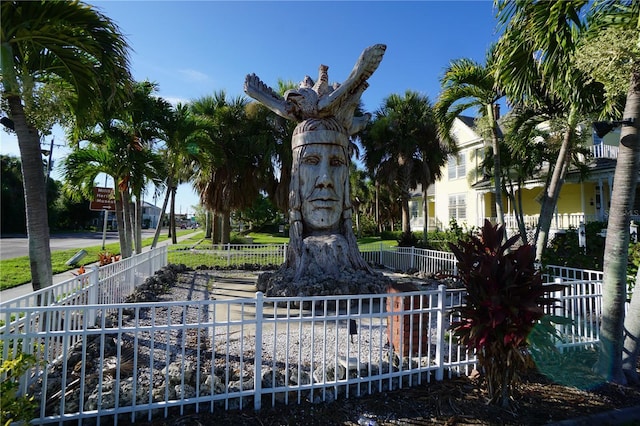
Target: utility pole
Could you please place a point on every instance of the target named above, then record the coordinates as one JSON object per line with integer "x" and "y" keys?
{"x": 48, "y": 153}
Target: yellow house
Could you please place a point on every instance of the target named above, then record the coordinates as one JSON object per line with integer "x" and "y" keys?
{"x": 466, "y": 194}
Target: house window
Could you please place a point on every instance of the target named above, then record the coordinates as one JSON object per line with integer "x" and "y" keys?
{"x": 457, "y": 167}
{"x": 457, "y": 207}
{"x": 414, "y": 208}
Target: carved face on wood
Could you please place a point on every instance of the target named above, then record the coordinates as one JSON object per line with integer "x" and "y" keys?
{"x": 324, "y": 170}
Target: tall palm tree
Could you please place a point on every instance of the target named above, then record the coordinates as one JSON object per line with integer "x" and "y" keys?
{"x": 147, "y": 117}
{"x": 231, "y": 168}
{"x": 183, "y": 138}
{"x": 402, "y": 130}
{"x": 277, "y": 132}
{"x": 44, "y": 41}
{"x": 468, "y": 84}
{"x": 535, "y": 67}
{"x": 619, "y": 335}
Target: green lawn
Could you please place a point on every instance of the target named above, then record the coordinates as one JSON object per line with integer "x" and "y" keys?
{"x": 14, "y": 272}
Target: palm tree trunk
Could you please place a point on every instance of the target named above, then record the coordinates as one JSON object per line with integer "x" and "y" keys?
{"x": 120, "y": 221}
{"x": 172, "y": 217}
{"x": 225, "y": 227}
{"x": 215, "y": 228}
{"x": 497, "y": 171}
{"x": 156, "y": 235}
{"x": 35, "y": 196}
{"x": 138, "y": 224}
{"x": 405, "y": 195}
{"x": 425, "y": 213}
{"x": 378, "y": 223}
{"x": 616, "y": 249}
{"x": 631, "y": 349}
{"x": 518, "y": 210}
{"x": 550, "y": 199}
{"x": 126, "y": 216}
{"x": 208, "y": 226}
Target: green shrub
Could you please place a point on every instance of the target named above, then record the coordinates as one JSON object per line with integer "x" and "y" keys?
{"x": 14, "y": 407}
{"x": 505, "y": 302}
{"x": 408, "y": 239}
{"x": 564, "y": 249}
{"x": 390, "y": 235}
{"x": 368, "y": 226}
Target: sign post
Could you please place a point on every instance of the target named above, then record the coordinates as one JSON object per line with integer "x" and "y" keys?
{"x": 105, "y": 202}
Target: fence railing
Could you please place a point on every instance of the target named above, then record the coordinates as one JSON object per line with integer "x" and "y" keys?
{"x": 141, "y": 359}
{"x": 101, "y": 357}
{"x": 410, "y": 259}
{"x": 228, "y": 254}
{"x": 107, "y": 284}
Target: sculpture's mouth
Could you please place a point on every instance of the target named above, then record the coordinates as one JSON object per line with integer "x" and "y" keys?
{"x": 324, "y": 202}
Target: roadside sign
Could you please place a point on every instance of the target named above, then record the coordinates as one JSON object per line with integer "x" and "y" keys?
{"x": 104, "y": 199}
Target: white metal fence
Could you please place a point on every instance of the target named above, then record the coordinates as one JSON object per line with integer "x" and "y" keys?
{"x": 108, "y": 284}
{"x": 101, "y": 357}
{"x": 143, "y": 359}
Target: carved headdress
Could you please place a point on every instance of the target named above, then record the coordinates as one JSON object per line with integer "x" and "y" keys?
{"x": 318, "y": 101}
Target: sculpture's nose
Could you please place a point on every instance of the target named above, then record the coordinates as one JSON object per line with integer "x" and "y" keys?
{"x": 324, "y": 181}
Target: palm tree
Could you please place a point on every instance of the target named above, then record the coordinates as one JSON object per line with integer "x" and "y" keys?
{"x": 277, "y": 132}
{"x": 53, "y": 41}
{"x": 360, "y": 193}
{"x": 619, "y": 335}
{"x": 147, "y": 117}
{"x": 535, "y": 67}
{"x": 468, "y": 84}
{"x": 397, "y": 143}
{"x": 183, "y": 139}
{"x": 231, "y": 168}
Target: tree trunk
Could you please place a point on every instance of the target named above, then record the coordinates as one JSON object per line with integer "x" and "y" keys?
{"x": 631, "y": 348}
{"x": 208, "y": 226}
{"x": 378, "y": 222}
{"x": 550, "y": 199}
{"x": 225, "y": 227}
{"x": 215, "y": 228}
{"x": 497, "y": 172}
{"x": 405, "y": 194}
{"x": 138, "y": 224}
{"x": 616, "y": 249}
{"x": 35, "y": 196}
{"x": 425, "y": 213}
{"x": 120, "y": 221}
{"x": 156, "y": 235}
{"x": 126, "y": 248}
{"x": 172, "y": 217}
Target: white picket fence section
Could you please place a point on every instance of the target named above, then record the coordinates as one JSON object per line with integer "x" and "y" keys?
{"x": 102, "y": 357}
{"x": 107, "y": 284}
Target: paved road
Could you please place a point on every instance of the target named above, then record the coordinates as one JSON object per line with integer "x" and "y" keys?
{"x": 16, "y": 246}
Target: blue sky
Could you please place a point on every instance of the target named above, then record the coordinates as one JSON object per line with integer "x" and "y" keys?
{"x": 195, "y": 48}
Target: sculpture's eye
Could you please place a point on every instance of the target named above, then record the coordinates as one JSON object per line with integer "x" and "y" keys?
{"x": 337, "y": 161}
{"x": 311, "y": 160}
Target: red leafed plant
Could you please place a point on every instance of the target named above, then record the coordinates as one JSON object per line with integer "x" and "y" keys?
{"x": 504, "y": 303}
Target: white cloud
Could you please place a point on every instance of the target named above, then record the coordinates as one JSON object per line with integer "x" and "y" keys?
{"x": 194, "y": 76}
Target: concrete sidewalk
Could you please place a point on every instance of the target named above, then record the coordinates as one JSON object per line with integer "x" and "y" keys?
{"x": 24, "y": 289}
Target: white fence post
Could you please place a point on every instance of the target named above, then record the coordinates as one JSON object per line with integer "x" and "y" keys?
{"x": 94, "y": 286}
{"x": 440, "y": 331}
{"x": 257, "y": 365}
{"x": 413, "y": 254}
{"x": 285, "y": 253}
